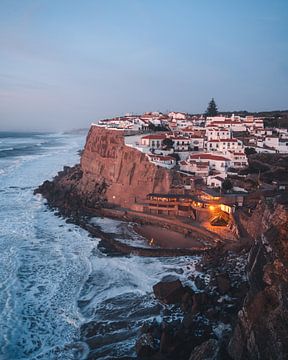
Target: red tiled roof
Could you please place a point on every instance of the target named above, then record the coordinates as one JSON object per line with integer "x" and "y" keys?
{"x": 223, "y": 140}
{"x": 161, "y": 157}
{"x": 208, "y": 157}
{"x": 154, "y": 137}
{"x": 180, "y": 138}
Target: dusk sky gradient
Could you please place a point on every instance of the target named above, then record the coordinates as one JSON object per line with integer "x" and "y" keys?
{"x": 65, "y": 63}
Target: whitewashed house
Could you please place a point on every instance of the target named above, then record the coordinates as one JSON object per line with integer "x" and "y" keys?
{"x": 216, "y": 162}
{"x": 197, "y": 168}
{"x": 153, "y": 141}
{"x": 215, "y": 181}
{"x": 162, "y": 160}
{"x": 224, "y": 145}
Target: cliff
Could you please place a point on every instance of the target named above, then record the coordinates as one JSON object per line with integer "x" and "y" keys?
{"x": 109, "y": 172}
{"x": 124, "y": 173}
{"x": 262, "y": 328}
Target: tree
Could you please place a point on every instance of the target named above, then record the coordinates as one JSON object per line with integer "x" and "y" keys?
{"x": 250, "y": 151}
{"x": 212, "y": 108}
{"x": 168, "y": 143}
{"x": 227, "y": 185}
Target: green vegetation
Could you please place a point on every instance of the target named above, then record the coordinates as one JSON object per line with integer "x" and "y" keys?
{"x": 212, "y": 108}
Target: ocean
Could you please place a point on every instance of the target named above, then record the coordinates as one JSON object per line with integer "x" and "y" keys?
{"x": 55, "y": 282}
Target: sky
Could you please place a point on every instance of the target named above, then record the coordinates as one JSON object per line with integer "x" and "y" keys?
{"x": 67, "y": 63}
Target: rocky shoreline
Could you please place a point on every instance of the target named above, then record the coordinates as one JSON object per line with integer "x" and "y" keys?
{"x": 240, "y": 298}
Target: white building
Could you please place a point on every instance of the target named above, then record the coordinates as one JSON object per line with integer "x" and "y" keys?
{"x": 177, "y": 115}
{"x": 180, "y": 143}
{"x": 238, "y": 159}
{"x": 215, "y": 181}
{"x": 224, "y": 145}
{"x": 273, "y": 142}
{"x": 216, "y": 162}
{"x": 216, "y": 133}
{"x": 153, "y": 141}
{"x": 162, "y": 160}
{"x": 198, "y": 168}
{"x": 196, "y": 142}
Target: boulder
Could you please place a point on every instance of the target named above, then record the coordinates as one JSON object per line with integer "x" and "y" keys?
{"x": 223, "y": 283}
{"x": 169, "y": 290}
{"x": 200, "y": 282}
{"x": 208, "y": 350}
{"x": 145, "y": 346}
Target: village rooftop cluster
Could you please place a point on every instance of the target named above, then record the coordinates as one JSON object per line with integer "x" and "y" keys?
{"x": 209, "y": 148}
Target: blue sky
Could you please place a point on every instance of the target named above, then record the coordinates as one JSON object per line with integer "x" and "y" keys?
{"x": 66, "y": 63}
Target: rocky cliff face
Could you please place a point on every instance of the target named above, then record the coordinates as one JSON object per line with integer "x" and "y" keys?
{"x": 109, "y": 172}
{"x": 124, "y": 173}
{"x": 262, "y": 328}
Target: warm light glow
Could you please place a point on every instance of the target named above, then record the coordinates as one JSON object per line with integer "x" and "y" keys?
{"x": 211, "y": 207}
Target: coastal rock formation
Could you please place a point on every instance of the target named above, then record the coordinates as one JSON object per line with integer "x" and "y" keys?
{"x": 109, "y": 172}
{"x": 122, "y": 173}
{"x": 261, "y": 331}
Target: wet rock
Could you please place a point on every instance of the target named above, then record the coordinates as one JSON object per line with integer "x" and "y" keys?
{"x": 240, "y": 290}
{"x": 169, "y": 290}
{"x": 187, "y": 300}
{"x": 200, "y": 282}
{"x": 223, "y": 283}
{"x": 188, "y": 320}
{"x": 167, "y": 341}
{"x": 208, "y": 350}
{"x": 145, "y": 346}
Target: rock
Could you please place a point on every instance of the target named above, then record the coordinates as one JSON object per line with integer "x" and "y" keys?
{"x": 188, "y": 320}
{"x": 223, "y": 283}
{"x": 200, "y": 282}
{"x": 145, "y": 346}
{"x": 169, "y": 290}
{"x": 261, "y": 331}
{"x": 187, "y": 300}
{"x": 166, "y": 342}
{"x": 240, "y": 291}
{"x": 199, "y": 301}
{"x": 208, "y": 350}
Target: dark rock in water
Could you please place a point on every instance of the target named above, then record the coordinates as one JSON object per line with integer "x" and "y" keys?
{"x": 223, "y": 283}
{"x": 208, "y": 350}
{"x": 187, "y": 300}
{"x": 169, "y": 290}
{"x": 200, "y": 282}
{"x": 188, "y": 320}
{"x": 167, "y": 341}
{"x": 240, "y": 291}
{"x": 145, "y": 346}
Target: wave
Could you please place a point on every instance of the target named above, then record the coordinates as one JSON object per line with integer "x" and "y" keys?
{"x": 7, "y": 149}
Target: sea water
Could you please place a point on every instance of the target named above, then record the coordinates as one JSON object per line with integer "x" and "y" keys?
{"x": 54, "y": 279}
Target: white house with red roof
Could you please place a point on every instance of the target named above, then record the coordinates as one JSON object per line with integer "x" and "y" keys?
{"x": 162, "y": 160}
{"x": 238, "y": 159}
{"x": 153, "y": 141}
{"x": 181, "y": 143}
{"x": 216, "y": 162}
{"x": 224, "y": 145}
{"x": 215, "y": 181}
{"x": 197, "y": 168}
{"x": 177, "y": 115}
{"x": 215, "y": 133}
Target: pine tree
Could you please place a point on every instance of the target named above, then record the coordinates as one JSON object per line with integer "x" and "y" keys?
{"x": 212, "y": 108}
